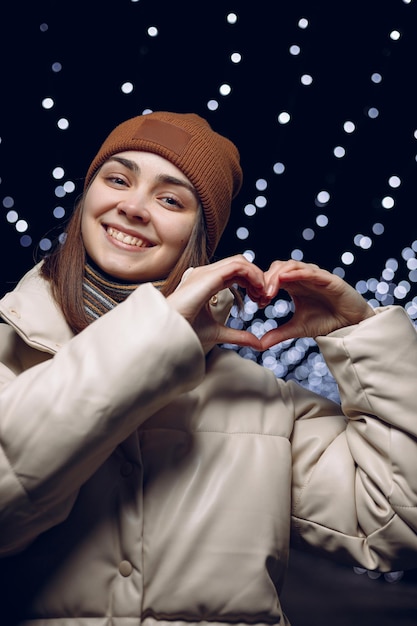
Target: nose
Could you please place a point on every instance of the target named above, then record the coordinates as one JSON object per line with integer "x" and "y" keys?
{"x": 134, "y": 208}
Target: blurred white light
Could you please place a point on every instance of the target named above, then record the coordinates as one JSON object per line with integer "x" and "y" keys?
{"x": 339, "y": 152}
{"x": 303, "y": 23}
{"x": 323, "y": 197}
{"x": 249, "y": 255}
{"x": 284, "y": 117}
{"x": 12, "y": 217}
{"x": 43, "y": 28}
{"x": 297, "y": 254}
{"x": 378, "y": 228}
{"x": 59, "y": 212}
{"x": 349, "y": 127}
{"x": 56, "y": 67}
{"x": 308, "y": 234}
{"x": 395, "y": 35}
{"x": 127, "y": 87}
{"x": 231, "y": 18}
{"x": 261, "y": 184}
{"x": 212, "y": 105}
{"x": 8, "y": 202}
{"x": 387, "y": 202}
{"x": 376, "y": 78}
{"x": 236, "y": 57}
{"x": 242, "y": 233}
{"x": 60, "y": 191}
{"x": 63, "y": 123}
{"x": 279, "y": 168}
{"x": 69, "y": 186}
{"x": 26, "y": 241}
{"x": 152, "y": 31}
{"x": 306, "y": 79}
{"x": 347, "y": 258}
{"x": 21, "y": 226}
{"x": 58, "y": 173}
{"x": 48, "y": 103}
{"x": 373, "y": 112}
{"x": 322, "y": 220}
{"x": 260, "y": 201}
{"x": 394, "y": 181}
{"x": 250, "y": 209}
{"x": 225, "y": 89}
{"x": 45, "y": 244}
{"x": 295, "y": 50}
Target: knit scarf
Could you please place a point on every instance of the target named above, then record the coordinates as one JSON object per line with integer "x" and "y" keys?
{"x": 102, "y": 292}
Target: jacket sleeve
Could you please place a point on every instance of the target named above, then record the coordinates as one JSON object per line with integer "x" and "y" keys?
{"x": 60, "y": 419}
{"x": 355, "y": 470}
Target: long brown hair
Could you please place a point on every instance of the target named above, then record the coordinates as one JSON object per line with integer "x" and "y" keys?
{"x": 64, "y": 266}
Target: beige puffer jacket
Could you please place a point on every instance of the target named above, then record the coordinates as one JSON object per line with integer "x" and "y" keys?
{"x": 142, "y": 482}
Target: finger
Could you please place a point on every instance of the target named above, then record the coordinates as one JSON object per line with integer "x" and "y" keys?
{"x": 238, "y": 337}
{"x": 290, "y": 330}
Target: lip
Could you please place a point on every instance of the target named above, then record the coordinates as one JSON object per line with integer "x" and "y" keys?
{"x": 127, "y": 238}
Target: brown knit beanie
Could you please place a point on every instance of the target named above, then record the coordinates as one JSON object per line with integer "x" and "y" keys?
{"x": 209, "y": 160}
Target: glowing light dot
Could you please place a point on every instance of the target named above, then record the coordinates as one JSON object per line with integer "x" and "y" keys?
{"x": 63, "y": 123}
{"x": 12, "y": 217}
{"x": 249, "y": 255}
{"x": 8, "y": 202}
{"x": 376, "y": 78}
{"x": 260, "y": 201}
{"x": 373, "y": 112}
{"x": 58, "y": 173}
{"x": 303, "y": 23}
{"x": 225, "y": 89}
{"x": 378, "y": 228}
{"x": 25, "y": 241}
{"x": 242, "y": 233}
{"x": 295, "y": 50}
{"x": 56, "y": 67}
{"x": 323, "y": 197}
{"x": 152, "y": 31}
{"x": 387, "y": 202}
{"x": 231, "y": 18}
{"x": 212, "y": 105}
{"x": 365, "y": 243}
{"x": 395, "y": 35}
{"x": 308, "y": 234}
{"x": 21, "y": 226}
{"x": 347, "y": 258}
{"x": 250, "y": 209}
{"x": 43, "y": 28}
{"x": 297, "y": 254}
{"x": 127, "y": 87}
{"x": 60, "y": 191}
{"x": 306, "y": 79}
{"x": 279, "y": 168}
{"x": 59, "y": 212}
{"x": 47, "y": 103}
{"x": 45, "y": 244}
{"x": 339, "y": 152}
{"x": 394, "y": 181}
{"x": 261, "y": 184}
{"x": 69, "y": 186}
{"x": 236, "y": 57}
{"x": 284, "y": 117}
{"x": 322, "y": 220}
{"x": 349, "y": 127}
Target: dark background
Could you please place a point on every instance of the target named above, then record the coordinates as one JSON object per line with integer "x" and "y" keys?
{"x": 101, "y": 45}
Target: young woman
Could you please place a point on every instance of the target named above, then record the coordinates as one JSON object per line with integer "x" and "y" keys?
{"x": 148, "y": 475}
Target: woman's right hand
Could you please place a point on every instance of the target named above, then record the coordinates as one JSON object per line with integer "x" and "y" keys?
{"x": 192, "y": 296}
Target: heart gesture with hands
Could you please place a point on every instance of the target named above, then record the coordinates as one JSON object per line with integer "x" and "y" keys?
{"x": 323, "y": 301}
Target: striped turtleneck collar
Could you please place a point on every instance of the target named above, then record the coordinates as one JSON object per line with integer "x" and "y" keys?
{"x": 102, "y": 292}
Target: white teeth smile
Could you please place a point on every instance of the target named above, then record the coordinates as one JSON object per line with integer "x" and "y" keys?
{"x": 132, "y": 241}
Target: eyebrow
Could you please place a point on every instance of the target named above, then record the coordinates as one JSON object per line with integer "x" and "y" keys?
{"x": 162, "y": 178}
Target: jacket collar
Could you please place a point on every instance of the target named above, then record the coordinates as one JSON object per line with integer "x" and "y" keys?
{"x": 33, "y": 313}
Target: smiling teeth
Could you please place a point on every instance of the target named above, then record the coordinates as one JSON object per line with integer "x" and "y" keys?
{"x": 128, "y": 239}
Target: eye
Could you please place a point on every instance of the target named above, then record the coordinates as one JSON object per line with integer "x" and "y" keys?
{"x": 172, "y": 201}
{"x": 117, "y": 180}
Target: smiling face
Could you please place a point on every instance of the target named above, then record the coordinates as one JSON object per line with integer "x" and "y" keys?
{"x": 138, "y": 215}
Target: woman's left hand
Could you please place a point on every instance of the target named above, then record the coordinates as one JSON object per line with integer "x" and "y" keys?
{"x": 323, "y": 301}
